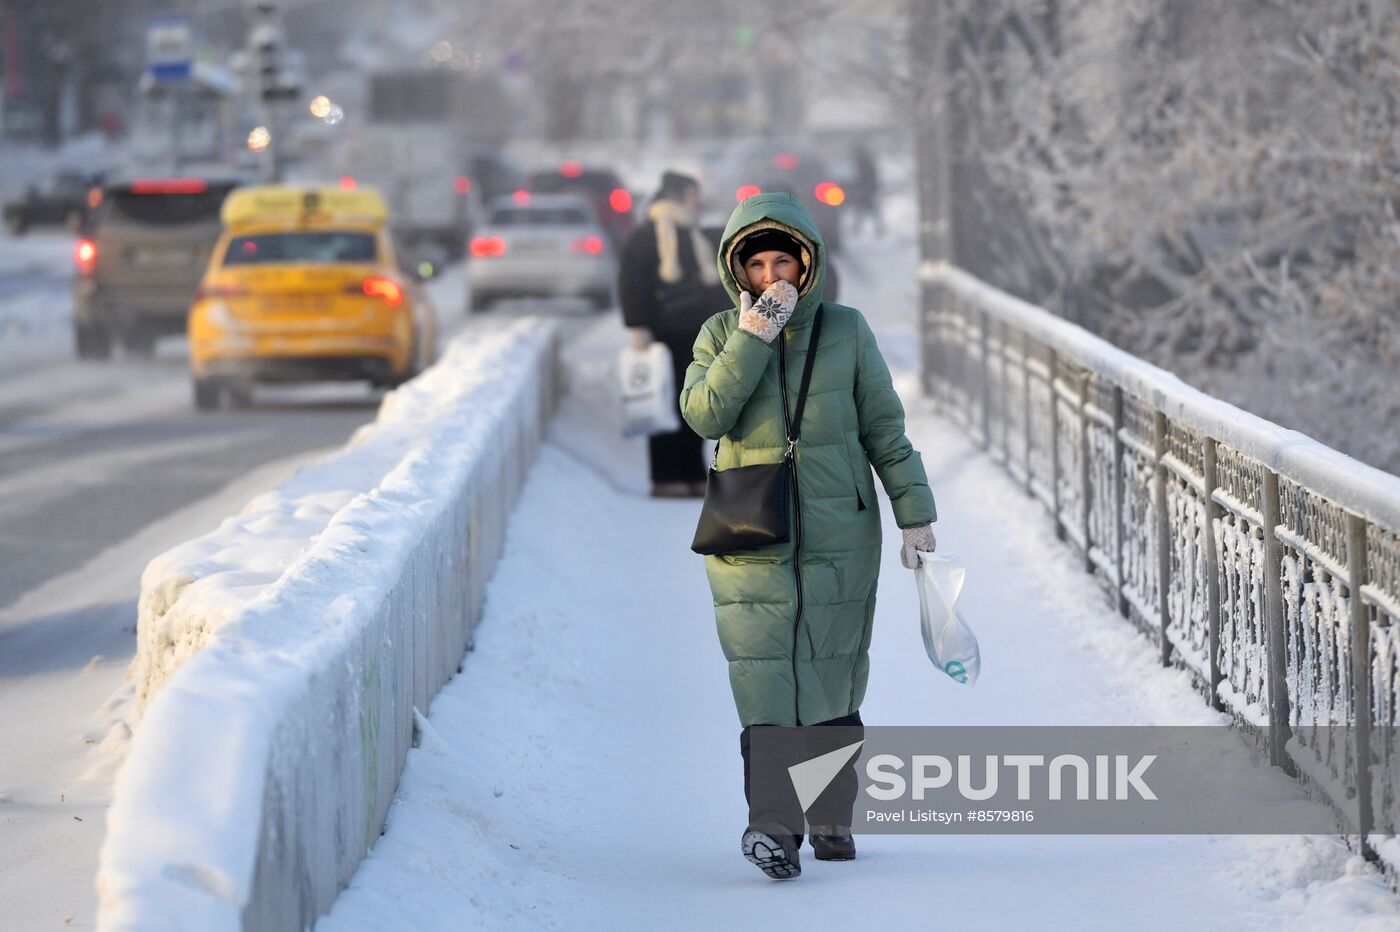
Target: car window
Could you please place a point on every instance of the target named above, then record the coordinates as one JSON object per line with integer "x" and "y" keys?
{"x": 309, "y": 247}
{"x": 163, "y": 209}
{"x": 538, "y": 216}
{"x": 592, "y": 182}
{"x": 68, "y": 185}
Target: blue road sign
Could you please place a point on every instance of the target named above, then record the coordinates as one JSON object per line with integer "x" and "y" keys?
{"x": 169, "y": 48}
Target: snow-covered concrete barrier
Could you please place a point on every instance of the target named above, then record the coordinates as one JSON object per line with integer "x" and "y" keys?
{"x": 1265, "y": 563}
{"x": 281, "y": 658}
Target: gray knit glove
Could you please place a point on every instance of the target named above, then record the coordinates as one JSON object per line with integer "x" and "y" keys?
{"x": 766, "y": 316}
{"x": 916, "y": 538}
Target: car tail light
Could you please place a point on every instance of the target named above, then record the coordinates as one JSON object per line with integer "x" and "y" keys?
{"x": 385, "y": 289}
{"x": 592, "y": 245}
{"x": 169, "y": 186}
{"x": 85, "y": 254}
{"x": 571, "y": 169}
{"x": 747, "y": 191}
{"x": 486, "y": 246}
{"x": 462, "y": 184}
{"x": 830, "y": 194}
{"x": 221, "y": 291}
{"x": 620, "y": 201}
{"x": 785, "y": 161}
{"x": 521, "y": 198}
{"x": 348, "y": 183}
{"x": 94, "y": 198}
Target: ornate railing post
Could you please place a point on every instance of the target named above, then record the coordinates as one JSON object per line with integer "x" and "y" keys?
{"x": 1004, "y": 404}
{"x": 928, "y": 336}
{"x": 1163, "y": 535}
{"x": 1360, "y": 675}
{"x": 985, "y": 338}
{"x": 1086, "y": 486}
{"x": 1276, "y": 635}
{"x": 1055, "y": 446}
{"x": 1212, "y": 572}
{"x": 1026, "y": 405}
{"x": 1118, "y": 535}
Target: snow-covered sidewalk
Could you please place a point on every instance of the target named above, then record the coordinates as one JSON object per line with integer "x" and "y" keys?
{"x": 583, "y": 771}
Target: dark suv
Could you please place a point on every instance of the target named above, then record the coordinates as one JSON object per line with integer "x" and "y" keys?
{"x": 62, "y": 199}
{"x": 141, "y": 259}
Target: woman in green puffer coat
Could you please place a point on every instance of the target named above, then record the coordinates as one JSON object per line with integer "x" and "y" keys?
{"x": 794, "y": 619}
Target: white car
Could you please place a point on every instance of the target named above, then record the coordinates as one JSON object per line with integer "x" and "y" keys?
{"x": 540, "y": 246}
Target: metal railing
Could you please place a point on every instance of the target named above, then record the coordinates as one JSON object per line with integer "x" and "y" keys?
{"x": 1263, "y": 562}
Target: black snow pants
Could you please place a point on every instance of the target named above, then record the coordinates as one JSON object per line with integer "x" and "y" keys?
{"x": 835, "y": 804}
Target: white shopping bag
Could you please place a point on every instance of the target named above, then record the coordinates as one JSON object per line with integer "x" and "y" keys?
{"x": 950, "y": 643}
{"x": 648, "y": 386}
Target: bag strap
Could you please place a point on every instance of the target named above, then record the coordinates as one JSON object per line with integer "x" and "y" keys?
{"x": 794, "y": 433}
{"x": 806, "y": 376}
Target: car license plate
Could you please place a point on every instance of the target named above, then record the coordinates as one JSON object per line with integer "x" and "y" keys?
{"x": 536, "y": 244}
{"x": 298, "y": 302}
{"x": 154, "y": 257}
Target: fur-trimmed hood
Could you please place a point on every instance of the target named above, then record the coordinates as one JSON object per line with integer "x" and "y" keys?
{"x": 781, "y": 212}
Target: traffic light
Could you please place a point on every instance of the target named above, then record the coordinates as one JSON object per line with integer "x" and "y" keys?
{"x": 267, "y": 45}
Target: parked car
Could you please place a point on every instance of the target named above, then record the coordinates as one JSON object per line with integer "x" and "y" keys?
{"x": 63, "y": 199}
{"x": 305, "y": 285}
{"x": 600, "y": 187}
{"x": 541, "y": 245}
{"x": 746, "y": 169}
{"x": 140, "y": 260}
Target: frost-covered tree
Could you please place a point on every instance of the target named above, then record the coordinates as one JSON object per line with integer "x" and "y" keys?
{"x": 1213, "y": 184}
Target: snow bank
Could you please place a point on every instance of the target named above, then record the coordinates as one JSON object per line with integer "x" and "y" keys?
{"x": 281, "y": 657}
{"x": 1361, "y": 489}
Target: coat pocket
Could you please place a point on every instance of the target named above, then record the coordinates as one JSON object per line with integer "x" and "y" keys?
{"x": 864, "y": 499}
{"x": 749, "y": 559}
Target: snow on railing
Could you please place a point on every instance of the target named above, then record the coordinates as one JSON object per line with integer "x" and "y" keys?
{"x": 1265, "y": 563}
{"x": 294, "y": 646}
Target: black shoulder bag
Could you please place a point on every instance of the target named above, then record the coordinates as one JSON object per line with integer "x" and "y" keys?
{"x": 750, "y": 506}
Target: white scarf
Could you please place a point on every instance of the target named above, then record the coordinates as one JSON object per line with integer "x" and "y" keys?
{"x": 667, "y": 215}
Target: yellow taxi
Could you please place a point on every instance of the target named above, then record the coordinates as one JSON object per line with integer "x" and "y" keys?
{"x": 304, "y": 285}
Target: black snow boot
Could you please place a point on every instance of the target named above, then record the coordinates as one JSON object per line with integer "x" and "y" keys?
{"x": 833, "y": 843}
{"x": 774, "y": 853}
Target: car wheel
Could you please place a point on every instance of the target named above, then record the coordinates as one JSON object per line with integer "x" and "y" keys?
{"x": 414, "y": 367}
{"x": 601, "y": 302}
{"x": 240, "y": 396}
{"x": 206, "y": 394}
{"x": 92, "y": 341}
{"x": 15, "y": 225}
{"x": 480, "y": 303}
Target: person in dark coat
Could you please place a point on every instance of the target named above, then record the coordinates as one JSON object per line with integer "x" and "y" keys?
{"x": 865, "y": 191}
{"x": 668, "y": 286}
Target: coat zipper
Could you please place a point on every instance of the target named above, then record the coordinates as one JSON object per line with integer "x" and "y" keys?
{"x": 797, "y": 523}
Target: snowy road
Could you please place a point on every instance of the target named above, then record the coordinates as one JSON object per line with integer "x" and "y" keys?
{"x": 583, "y": 770}
{"x": 90, "y": 453}
{"x": 36, "y": 300}
{"x": 104, "y": 465}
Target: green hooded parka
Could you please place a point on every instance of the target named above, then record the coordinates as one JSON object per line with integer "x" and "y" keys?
{"x": 794, "y": 619}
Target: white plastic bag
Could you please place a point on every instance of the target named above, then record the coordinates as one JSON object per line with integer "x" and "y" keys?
{"x": 950, "y": 643}
{"x": 648, "y": 386}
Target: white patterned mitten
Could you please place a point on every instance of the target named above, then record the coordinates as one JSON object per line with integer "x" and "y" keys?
{"x": 766, "y": 316}
{"x": 916, "y": 538}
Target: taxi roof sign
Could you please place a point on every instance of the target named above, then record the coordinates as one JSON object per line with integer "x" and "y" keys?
{"x": 272, "y": 203}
